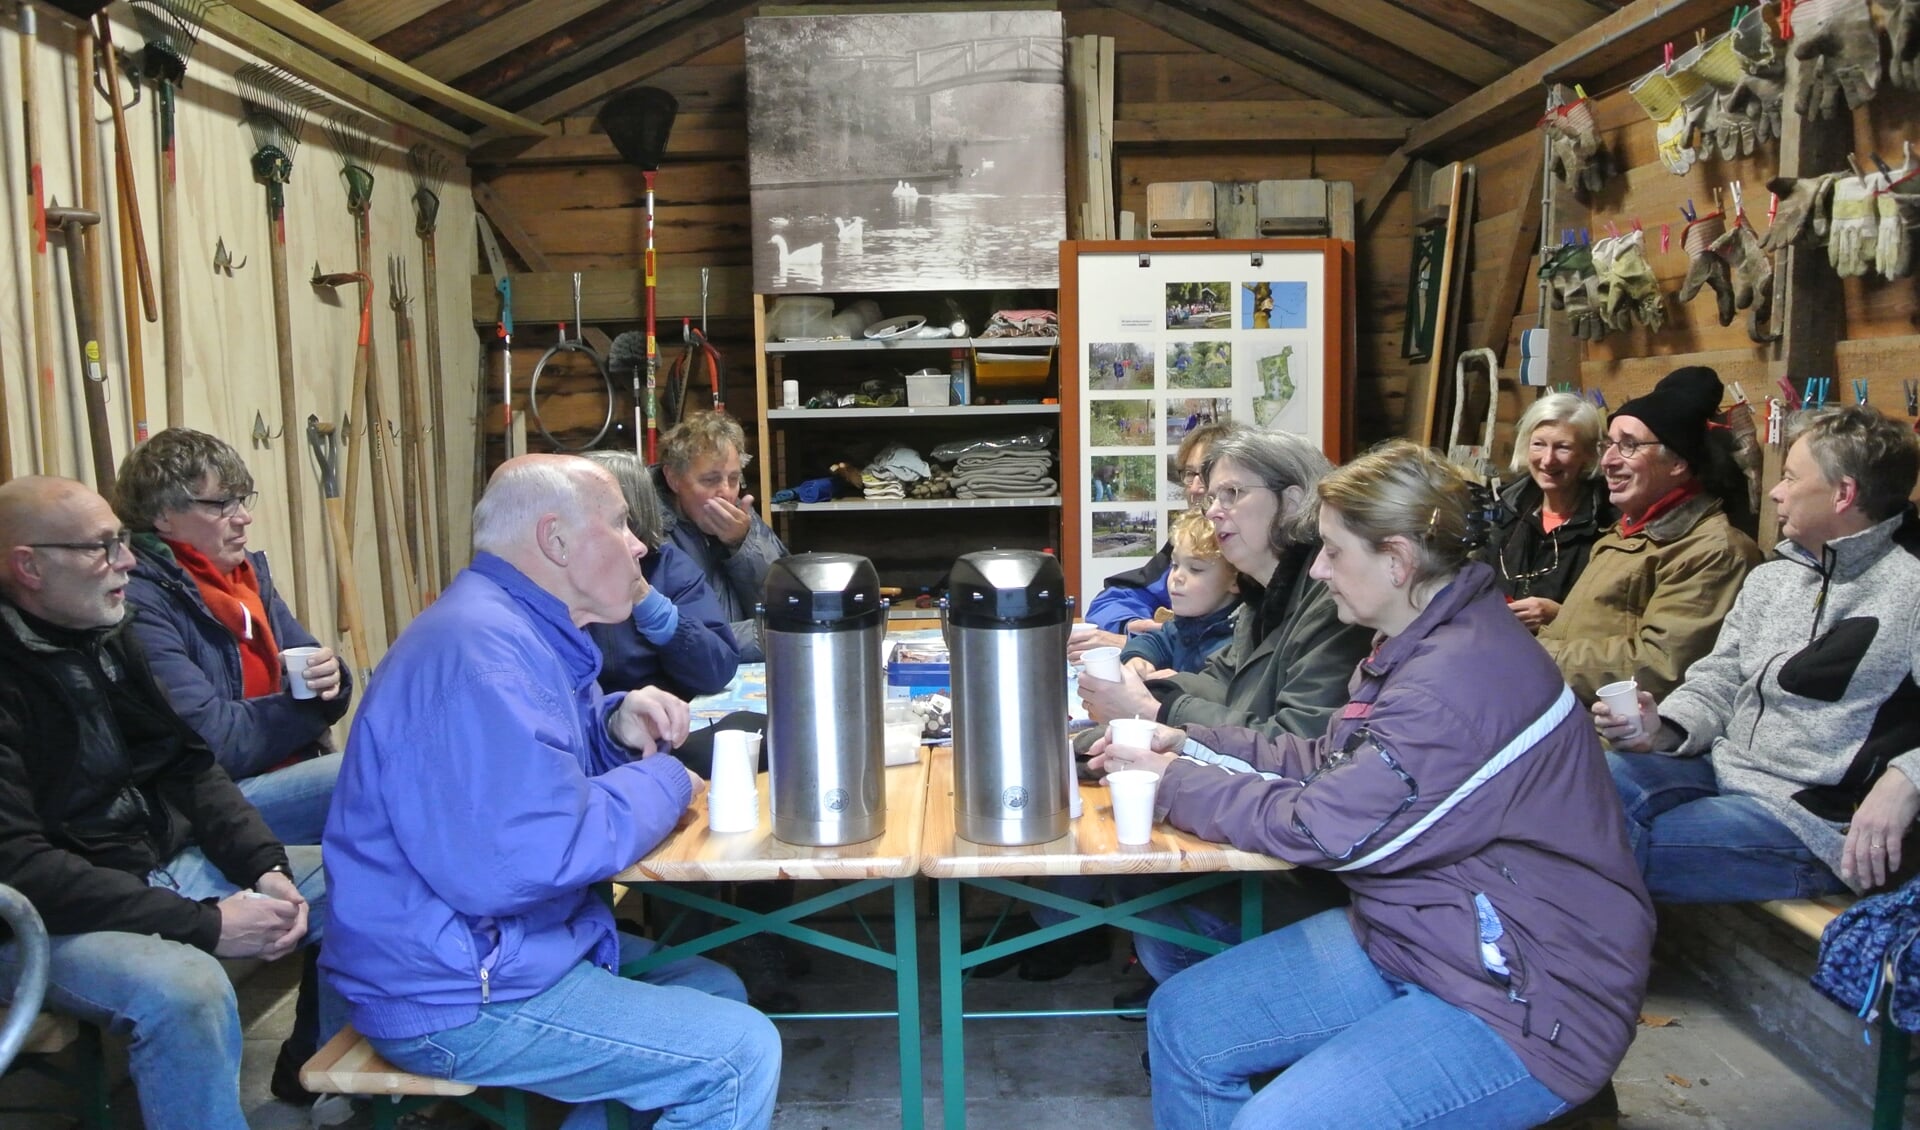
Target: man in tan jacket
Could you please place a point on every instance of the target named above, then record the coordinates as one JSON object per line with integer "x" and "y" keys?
{"x": 1652, "y": 597}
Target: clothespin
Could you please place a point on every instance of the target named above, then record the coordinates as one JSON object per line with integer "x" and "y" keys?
{"x": 1786, "y": 386}
{"x": 1819, "y": 389}
{"x": 1636, "y": 224}
{"x": 1739, "y": 204}
{"x": 1699, "y": 37}
{"x": 1666, "y": 236}
{"x": 1612, "y": 231}
{"x": 1600, "y": 400}
{"x": 1586, "y": 237}
{"x": 1859, "y": 391}
{"x": 1666, "y": 65}
{"x": 1739, "y": 394}
{"x": 1739, "y": 13}
{"x": 1773, "y": 207}
{"x": 1579, "y": 90}
{"x": 1853, "y": 164}
{"x": 1885, "y": 171}
{"x": 1776, "y": 420}
{"x": 1912, "y": 389}
{"x": 1687, "y": 211}
{"x": 1786, "y": 20}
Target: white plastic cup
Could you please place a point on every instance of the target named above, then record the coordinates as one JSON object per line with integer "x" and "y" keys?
{"x": 733, "y": 796}
{"x": 1134, "y": 733}
{"x": 1623, "y": 699}
{"x": 295, "y": 660}
{"x": 789, "y": 394}
{"x": 1102, "y": 663}
{"x": 1073, "y": 783}
{"x": 1131, "y": 791}
{"x": 1082, "y": 629}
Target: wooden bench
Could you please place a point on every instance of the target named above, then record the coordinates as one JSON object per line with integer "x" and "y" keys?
{"x": 348, "y": 1065}
{"x": 1810, "y": 917}
{"x": 51, "y": 1035}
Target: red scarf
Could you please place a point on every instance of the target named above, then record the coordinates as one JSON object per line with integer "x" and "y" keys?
{"x": 1670, "y": 501}
{"x": 234, "y": 600}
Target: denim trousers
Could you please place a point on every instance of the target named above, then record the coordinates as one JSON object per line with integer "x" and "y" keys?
{"x": 294, "y": 800}
{"x": 171, "y": 1002}
{"x": 1695, "y": 845}
{"x": 1360, "y": 1048}
{"x": 681, "y": 1040}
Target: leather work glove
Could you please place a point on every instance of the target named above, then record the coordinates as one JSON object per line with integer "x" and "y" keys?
{"x": 1697, "y": 96}
{"x": 1573, "y": 287}
{"x": 1761, "y": 88}
{"x": 1802, "y": 216}
{"x": 1720, "y": 132}
{"x": 1632, "y": 290}
{"x": 1664, "y": 104}
{"x": 1840, "y": 52}
{"x": 1706, "y": 266}
{"x": 1578, "y": 160}
{"x": 1752, "y": 271}
{"x": 1903, "y": 38}
{"x": 1854, "y": 235}
{"x": 1898, "y": 212}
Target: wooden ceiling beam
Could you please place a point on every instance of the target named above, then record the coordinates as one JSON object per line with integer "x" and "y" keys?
{"x": 1338, "y": 49}
{"x": 1472, "y": 20}
{"x": 1272, "y": 64}
{"x": 446, "y": 23}
{"x": 1458, "y": 54}
{"x": 295, "y": 22}
{"x": 1240, "y": 127}
{"x": 575, "y": 48}
{"x": 695, "y": 137}
{"x": 1428, "y": 77}
{"x": 251, "y": 35}
{"x": 1636, "y": 30}
{"x": 371, "y": 19}
{"x": 1551, "y": 20}
{"x": 720, "y": 24}
{"x": 451, "y": 58}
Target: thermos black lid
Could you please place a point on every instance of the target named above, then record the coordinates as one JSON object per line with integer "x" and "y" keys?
{"x": 1006, "y": 588}
{"x": 822, "y": 592}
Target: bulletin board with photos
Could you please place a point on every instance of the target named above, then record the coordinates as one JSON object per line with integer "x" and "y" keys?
{"x": 1166, "y": 335}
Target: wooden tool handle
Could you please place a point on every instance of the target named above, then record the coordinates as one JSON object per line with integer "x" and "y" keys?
{"x": 352, "y": 619}
{"x": 123, "y": 170}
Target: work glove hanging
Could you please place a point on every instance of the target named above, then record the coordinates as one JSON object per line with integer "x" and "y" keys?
{"x": 1632, "y": 291}
{"x": 1699, "y": 93}
{"x": 1839, "y": 53}
{"x": 1752, "y": 271}
{"x": 1757, "y": 94}
{"x": 1722, "y": 131}
{"x": 1572, "y": 286}
{"x": 1853, "y": 236}
{"x": 1706, "y": 266}
{"x": 1898, "y": 212}
{"x": 1903, "y": 41}
{"x": 1578, "y": 160}
{"x": 1802, "y": 216}
{"x": 1664, "y": 104}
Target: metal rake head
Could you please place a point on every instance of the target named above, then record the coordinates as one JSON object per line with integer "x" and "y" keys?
{"x": 171, "y": 29}
{"x": 430, "y": 168}
{"x": 352, "y": 135}
{"x": 276, "y": 106}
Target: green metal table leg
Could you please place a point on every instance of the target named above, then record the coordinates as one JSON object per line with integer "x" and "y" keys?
{"x": 90, "y": 1065}
{"x": 1890, "y": 1085}
{"x": 907, "y": 986}
{"x": 1252, "y": 906}
{"x": 953, "y": 1047}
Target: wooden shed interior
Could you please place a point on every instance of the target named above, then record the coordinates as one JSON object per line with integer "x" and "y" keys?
{"x": 1376, "y": 93}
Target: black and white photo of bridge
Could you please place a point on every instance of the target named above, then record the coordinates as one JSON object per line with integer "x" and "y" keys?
{"x": 906, "y": 152}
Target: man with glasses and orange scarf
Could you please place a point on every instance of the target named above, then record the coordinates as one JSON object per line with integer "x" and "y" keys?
{"x": 144, "y": 860}
{"x": 1660, "y": 582}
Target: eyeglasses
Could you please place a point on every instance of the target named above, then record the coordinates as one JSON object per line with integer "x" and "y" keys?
{"x": 104, "y": 547}
{"x": 229, "y": 506}
{"x": 1628, "y": 447}
{"x": 1190, "y": 475}
{"x": 1523, "y": 581}
{"x": 1228, "y": 497}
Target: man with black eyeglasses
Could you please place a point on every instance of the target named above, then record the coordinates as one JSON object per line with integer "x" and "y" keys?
{"x": 139, "y": 852}
{"x": 1660, "y": 582}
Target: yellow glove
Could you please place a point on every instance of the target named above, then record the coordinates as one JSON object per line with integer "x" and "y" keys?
{"x": 1664, "y": 104}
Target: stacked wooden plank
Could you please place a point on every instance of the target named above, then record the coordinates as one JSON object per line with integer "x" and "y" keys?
{"x": 1090, "y": 194}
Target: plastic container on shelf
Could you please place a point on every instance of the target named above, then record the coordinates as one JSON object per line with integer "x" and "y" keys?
{"x": 799, "y": 317}
{"x": 928, "y": 388}
{"x": 997, "y": 367}
{"x": 853, "y": 321}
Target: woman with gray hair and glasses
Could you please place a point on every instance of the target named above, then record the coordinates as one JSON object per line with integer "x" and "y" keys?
{"x": 1287, "y": 667}
{"x": 1554, "y": 509}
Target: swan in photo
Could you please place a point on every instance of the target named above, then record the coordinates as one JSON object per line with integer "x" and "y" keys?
{"x": 905, "y": 191}
{"x": 800, "y": 258}
{"x": 778, "y": 223}
{"x": 850, "y": 229}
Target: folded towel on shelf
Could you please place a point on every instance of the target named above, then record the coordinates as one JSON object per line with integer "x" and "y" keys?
{"x": 898, "y": 461}
{"x": 1010, "y": 488}
{"x": 881, "y": 486}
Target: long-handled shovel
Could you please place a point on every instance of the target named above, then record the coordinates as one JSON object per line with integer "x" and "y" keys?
{"x": 136, "y": 280}
{"x": 352, "y": 139}
{"x": 351, "y": 619}
{"x": 429, "y": 175}
{"x": 413, "y": 468}
{"x": 126, "y": 194}
{"x": 40, "y": 277}
{"x": 276, "y": 108}
{"x": 72, "y": 222}
{"x": 171, "y": 28}
{"x": 638, "y": 121}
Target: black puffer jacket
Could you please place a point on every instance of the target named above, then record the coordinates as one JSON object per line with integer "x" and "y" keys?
{"x": 1530, "y": 562}
{"x": 100, "y": 782}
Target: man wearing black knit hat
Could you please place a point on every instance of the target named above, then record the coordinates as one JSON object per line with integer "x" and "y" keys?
{"x": 1652, "y": 597}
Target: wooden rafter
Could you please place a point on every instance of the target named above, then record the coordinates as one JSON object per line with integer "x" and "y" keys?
{"x": 1383, "y": 19}
{"x": 696, "y": 136}
{"x": 1373, "y": 194}
{"x": 371, "y": 19}
{"x": 449, "y": 22}
{"x": 1427, "y": 76}
{"x": 1510, "y": 41}
{"x": 575, "y": 48}
{"x": 722, "y": 23}
{"x": 1232, "y": 126}
{"x": 1551, "y": 20}
{"x": 497, "y": 38}
{"x": 1637, "y": 29}
{"x": 246, "y": 32}
{"x": 1280, "y": 68}
{"x": 1367, "y": 64}
{"x": 296, "y": 22}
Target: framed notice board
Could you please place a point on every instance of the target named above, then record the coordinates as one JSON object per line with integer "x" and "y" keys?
{"x": 1161, "y": 336}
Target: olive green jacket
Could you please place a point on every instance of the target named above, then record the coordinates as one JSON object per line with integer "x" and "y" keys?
{"x": 1651, "y": 603}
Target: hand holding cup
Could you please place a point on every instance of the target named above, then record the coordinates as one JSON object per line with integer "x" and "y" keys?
{"x": 1626, "y": 716}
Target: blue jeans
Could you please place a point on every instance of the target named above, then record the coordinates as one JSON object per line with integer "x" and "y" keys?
{"x": 172, "y": 1003}
{"x": 1694, "y": 845}
{"x": 293, "y": 801}
{"x": 1360, "y": 1048}
{"x": 681, "y": 1040}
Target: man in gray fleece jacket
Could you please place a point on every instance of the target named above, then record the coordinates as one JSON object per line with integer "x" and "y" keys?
{"x": 1807, "y": 710}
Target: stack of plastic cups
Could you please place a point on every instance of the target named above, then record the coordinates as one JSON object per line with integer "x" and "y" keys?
{"x": 733, "y": 796}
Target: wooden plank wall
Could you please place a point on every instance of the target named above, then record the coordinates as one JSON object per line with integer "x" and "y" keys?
{"x": 584, "y": 210}
{"x": 229, "y": 344}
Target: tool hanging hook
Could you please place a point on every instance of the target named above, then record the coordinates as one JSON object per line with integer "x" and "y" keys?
{"x": 262, "y": 438}
{"x": 224, "y": 262}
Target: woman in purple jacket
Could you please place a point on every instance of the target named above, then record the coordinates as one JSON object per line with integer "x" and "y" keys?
{"x": 1490, "y": 969}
